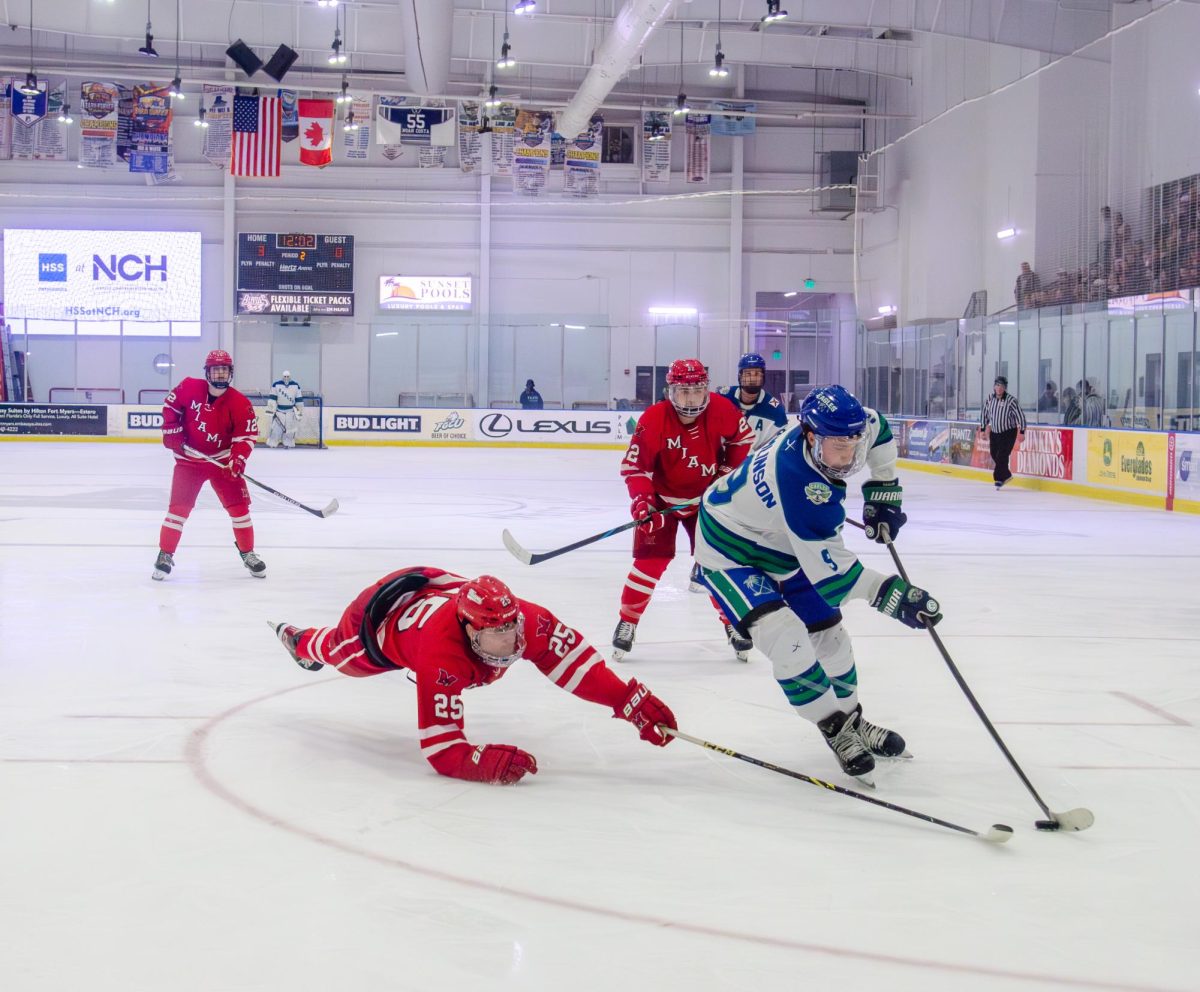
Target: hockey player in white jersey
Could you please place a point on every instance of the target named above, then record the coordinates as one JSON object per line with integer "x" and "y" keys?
{"x": 770, "y": 548}
{"x": 763, "y": 412}
{"x": 285, "y": 407}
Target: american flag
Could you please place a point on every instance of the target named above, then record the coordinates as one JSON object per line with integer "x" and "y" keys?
{"x": 256, "y": 135}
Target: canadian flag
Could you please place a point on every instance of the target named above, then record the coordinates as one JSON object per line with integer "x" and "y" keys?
{"x": 316, "y": 132}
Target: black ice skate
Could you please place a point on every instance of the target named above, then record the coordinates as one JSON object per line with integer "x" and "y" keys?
{"x": 162, "y": 566}
{"x": 258, "y": 567}
{"x": 879, "y": 740}
{"x": 694, "y": 583}
{"x": 623, "y": 639}
{"x": 288, "y": 637}
{"x": 741, "y": 645}
{"x": 841, "y": 734}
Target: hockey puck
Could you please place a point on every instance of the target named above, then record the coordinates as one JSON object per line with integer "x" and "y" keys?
{"x": 1046, "y": 824}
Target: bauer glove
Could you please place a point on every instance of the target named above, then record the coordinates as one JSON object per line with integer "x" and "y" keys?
{"x": 500, "y": 764}
{"x": 646, "y": 711}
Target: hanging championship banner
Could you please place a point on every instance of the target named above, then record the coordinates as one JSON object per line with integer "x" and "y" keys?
{"x": 290, "y": 115}
{"x": 150, "y": 129}
{"x": 357, "y": 143}
{"x": 6, "y": 119}
{"x": 469, "y": 143}
{"x": 582, "y": 161}
{"x": 98, "y": 111}
{"x": 217, "y": 100}
{"x": 504, "y": 134}
{"x": 697, "y": 129}
{"x": 736, "y": 124}
{"x": 44, "y": 139}
{"x": 531, "y": 151}
{"x": 558, "y": 152}
{"x": 656, "y": 146}
{"x": 124, "y": 121}
{"x": 170, "y": 175}
{"x": 389, "y": 132}
{"x": 27, "y": 109}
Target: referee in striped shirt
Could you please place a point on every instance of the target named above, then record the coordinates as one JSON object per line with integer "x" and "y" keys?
{"x": 1002, "y": 413}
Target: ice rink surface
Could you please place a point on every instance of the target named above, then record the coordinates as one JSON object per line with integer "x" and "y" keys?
{"x": 185, "y": 809}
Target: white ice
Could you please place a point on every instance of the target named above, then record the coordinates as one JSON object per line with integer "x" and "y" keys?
{"x": 182, "y": 808}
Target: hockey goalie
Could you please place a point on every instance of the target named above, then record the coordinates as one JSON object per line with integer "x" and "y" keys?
{"x": 285, "y": 408}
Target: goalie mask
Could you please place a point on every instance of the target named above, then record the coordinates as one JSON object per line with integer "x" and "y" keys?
{"x": 837, "y": 425}
{"x": 687, "y": 386}
{"x": 218, "y": 370}
{"x": 494, "y": 614}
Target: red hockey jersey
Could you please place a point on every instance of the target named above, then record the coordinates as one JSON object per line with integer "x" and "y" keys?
{"x": 217, "y": 428}
{"x": 422, "y": 633}
{"x": 677, "y": 462}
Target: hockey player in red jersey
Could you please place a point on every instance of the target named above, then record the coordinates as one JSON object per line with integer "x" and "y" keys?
{"x": 681, "y": 446}
{"x": 211, "y": 417}
{"x": 453, "y": 634}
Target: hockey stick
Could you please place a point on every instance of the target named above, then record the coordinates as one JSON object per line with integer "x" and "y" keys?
{"x": 1072, "y": 819}
{"x": 997, "y": 833}
{"x": 329, "y": 511}
{"x": 529, "y": 558}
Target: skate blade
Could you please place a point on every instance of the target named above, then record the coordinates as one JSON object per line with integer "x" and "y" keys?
{"x": 906, "y": 756}
{"x": 742, "y": 656}
{"x": 618, "y": 654}
{"x": 865, "y": 780}
{"x": 158, "y": 576}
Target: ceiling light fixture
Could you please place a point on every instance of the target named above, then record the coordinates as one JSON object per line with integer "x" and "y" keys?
{"x": 718, "y": 71}
{"x": 148, "y": 48}
{"x": 773, "y": 12}
{"x": 1008, "y": 232}
{"x": 492, "y": 100}
{"x": 64, "y": 115}
{"x": 344, "y": 96}
{"x": 524, "y": 7}
{"x": 336, "y": 55}
{"x": 505, "y": 61}
{"x": 351, "y": 124}
{"x": 30, "y": 86}
{"x": 200, "y": 121}
{"x": 681, "y": 105}
{"x": 176, "y": 91}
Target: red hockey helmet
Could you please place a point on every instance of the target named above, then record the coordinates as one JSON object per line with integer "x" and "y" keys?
{"x": 689, "y": 373}
{"x": 487, "y": 604}
{"x": 218, "y": 359}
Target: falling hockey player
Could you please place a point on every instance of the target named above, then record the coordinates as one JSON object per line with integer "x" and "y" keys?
{"x": 770, "y": 548}
{"x": 453, "y": 634}
{"x": 681, "y": 446}
{"x": 212, "y": 418}
{"x": 285, "y": 407}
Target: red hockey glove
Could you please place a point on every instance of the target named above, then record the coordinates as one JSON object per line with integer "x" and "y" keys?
{"x": 237, "y": 465}
{"x": 173, "y": 438}
{"x": 502, "y": 764}
{"x": 646, "y": 711}
{"x": 642, "y": 509}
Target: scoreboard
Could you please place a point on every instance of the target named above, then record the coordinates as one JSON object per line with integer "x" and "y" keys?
{"x": 295, "y": 274}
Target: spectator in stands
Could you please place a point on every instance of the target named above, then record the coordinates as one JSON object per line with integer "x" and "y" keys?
{"x": 1028, "y": 290}
{"x": 1048, "y": 401}
{"x": 531, "y": 399}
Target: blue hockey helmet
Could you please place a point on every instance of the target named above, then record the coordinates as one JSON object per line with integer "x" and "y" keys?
{"x": 838, "y": 424}
{"x": 750, "y": 360}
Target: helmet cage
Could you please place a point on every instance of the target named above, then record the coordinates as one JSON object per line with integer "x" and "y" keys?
{"x": 501, "y": 661}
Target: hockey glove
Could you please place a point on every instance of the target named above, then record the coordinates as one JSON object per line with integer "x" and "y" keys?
{"x": 912, "y": 606}
{"x": 237, "y": 465}
{"x": 642, "y": 510}
{"x": 646, "y": 711}
{"x": 502, "y": 764}
{"x": 881, "y": 510}
{"x": 173, "y": 438}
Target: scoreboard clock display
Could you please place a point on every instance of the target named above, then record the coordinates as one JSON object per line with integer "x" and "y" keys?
{"x": 295, "y": 274}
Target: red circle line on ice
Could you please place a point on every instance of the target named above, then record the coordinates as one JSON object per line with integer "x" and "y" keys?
{"x": 197, "y": 759}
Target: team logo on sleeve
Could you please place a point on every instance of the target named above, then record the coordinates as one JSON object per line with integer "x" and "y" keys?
{"x": 445, "y": 678}
{"x": 543, "y": 627}
{"x": 818, "y": 493}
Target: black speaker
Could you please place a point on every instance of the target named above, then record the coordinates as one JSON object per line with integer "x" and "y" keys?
{"x": 283, "y": 59}
{"x": 243, "y": 55}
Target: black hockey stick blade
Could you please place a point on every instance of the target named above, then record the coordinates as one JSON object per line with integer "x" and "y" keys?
{"x": 997, "y": 833}
{"x": 530, "y": 558}
{"x": 328, "y": 511}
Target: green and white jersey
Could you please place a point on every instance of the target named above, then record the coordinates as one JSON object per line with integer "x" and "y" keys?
{"x": 778, "y": 513}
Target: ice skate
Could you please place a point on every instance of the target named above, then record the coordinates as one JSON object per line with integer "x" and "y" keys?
{"x": 162, "y": 566}
{"x": 694, "y": 583}
{"x": 258, "y": 567}
{"x": 841, "y": 734}
{"x": 288, "y": 637}
{"x": 880, "y": 741}
{"x": 622, "y": 641}
{"x": 741, "y": 645}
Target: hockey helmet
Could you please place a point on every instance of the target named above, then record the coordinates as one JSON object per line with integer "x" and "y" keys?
{"x": 687, "y": 373}
{"x": 838, "y": 424}
{"x": 286, "y": 376}
{"x": 218, "y": 359}
{"x": 487, "y": 604}
{"x": 752, "y": 362}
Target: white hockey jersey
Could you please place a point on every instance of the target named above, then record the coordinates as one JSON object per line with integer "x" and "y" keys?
{"x": 287, "y": 395}
{"x": 778, "y": 513}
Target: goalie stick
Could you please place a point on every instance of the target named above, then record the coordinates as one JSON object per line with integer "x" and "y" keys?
{"x": 997, "y": 833}
{"x": 1079, "y": 818}
{"x": 328, "y": 511}
{"x": 530, "y": 558}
